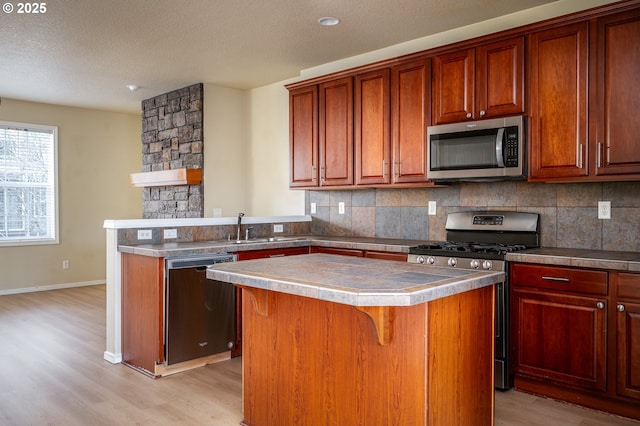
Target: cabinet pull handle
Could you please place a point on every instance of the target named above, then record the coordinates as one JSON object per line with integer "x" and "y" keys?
{"x": 580, "y": 156}
{"x": 620, "y": 308}
{"x": 599, "y": 155}
{"x": 600, "y": 305}
{"x": 277, "y": 255}
{"x": 314, "y": 173}
{"x": 468, "y": 115}
{"x": 566, "y": 280}
{"x": 384, "y": 168}
{"x": 482, "y": 113}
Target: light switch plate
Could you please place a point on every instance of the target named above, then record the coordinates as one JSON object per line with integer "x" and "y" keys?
{"x": 278, "y": 227}
{"x": 432, "y": 208}
{"x": 313, "y": 208}
{"x": 341, "y": 207}
{"x": 170, "y": 233}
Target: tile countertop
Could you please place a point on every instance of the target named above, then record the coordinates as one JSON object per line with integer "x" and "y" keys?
{"x": 583, "y": 258}
{"x": 351, "y": 280}
{"x": 200, "y": 247}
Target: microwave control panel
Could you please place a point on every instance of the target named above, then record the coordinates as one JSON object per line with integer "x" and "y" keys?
{"x": 511, "y": 153}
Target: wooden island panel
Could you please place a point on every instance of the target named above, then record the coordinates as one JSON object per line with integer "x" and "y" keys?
{"x": 314, "y": 362}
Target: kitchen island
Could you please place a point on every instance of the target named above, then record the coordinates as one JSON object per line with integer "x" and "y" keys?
{"x": 337, "y": 340}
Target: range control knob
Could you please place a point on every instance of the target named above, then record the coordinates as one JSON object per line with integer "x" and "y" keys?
{"x": 475, "y": 263}
{"x": 420, "y": 259}
{"x": 487, "y": 264}
{"x": 452, "y": 262}
{"x": 431, "y": 260}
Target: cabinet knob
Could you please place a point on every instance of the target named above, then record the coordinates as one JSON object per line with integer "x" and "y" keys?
{"x": 600, "y": 305}
{"x": 620, "y": 308}
{"x": 468, "y": 115}
{"x": 482, "y": 113}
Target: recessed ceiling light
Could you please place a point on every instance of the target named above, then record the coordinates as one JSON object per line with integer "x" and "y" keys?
{"x": 328, "y": 21}
{"x": 133, "y": 87}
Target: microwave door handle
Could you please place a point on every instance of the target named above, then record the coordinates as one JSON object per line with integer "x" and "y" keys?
{"x": 499, "y": 147}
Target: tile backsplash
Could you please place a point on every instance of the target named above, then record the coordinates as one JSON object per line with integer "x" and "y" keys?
{"x": 568, "y": 212}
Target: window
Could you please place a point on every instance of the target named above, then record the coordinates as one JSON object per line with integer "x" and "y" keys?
{"x": 28, "y": 184}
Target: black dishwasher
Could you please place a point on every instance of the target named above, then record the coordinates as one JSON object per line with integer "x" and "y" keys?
{"x": 200, "y": 314}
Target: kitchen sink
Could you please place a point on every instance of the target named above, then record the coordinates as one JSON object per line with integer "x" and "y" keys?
{"x": 266, "y": 240}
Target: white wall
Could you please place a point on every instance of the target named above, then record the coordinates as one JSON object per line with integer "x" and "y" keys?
{"x": 97, "y": 150}
{"x": 226, "y": 134}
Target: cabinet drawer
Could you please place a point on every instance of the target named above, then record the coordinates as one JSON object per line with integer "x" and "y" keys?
{"x": 629, "y": 285}
{"x": 558, "y": 278}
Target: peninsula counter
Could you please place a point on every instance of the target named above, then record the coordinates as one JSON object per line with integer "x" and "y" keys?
{"x": 337, "y": 340}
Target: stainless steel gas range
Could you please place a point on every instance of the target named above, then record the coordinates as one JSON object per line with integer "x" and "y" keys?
{"x": 481, "y": 240}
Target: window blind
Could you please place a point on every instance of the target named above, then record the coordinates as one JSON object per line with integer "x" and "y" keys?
{"x": 28, "y": 184}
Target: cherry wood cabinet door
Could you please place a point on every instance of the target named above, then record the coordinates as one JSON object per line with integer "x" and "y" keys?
{"x": 453, "y": 87}
{"x": 559, "y": 337}
{"x": 618, "y": 80}
{"x": 628, "y": 335}
{"x": 372, "y": 133}
{"x": 500, "y": 78}
{"x": 336, "y": 132}
{"x": 303, "y": 136}
{"x": 558, "y": 145}
{"x": 142, "y": 312}
{"x": 629, "y": 349}
{"x": 409, "y": 120}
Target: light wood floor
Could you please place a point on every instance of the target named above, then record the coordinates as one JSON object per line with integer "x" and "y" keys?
{"x": 52, "y": 373}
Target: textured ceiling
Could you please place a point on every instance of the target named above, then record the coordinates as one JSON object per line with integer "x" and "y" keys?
{"x": 84, "y": 52}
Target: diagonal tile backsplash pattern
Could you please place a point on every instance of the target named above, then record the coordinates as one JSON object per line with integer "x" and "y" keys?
{"x": 569, "y": 212}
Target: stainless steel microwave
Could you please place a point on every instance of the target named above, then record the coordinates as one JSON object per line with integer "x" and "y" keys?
{"x": 479, "y": 150}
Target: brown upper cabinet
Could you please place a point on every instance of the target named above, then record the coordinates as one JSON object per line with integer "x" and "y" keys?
{"x": 583, "y": 100}
{"x": 476, "y": 83}
{"x": 303, "y": 136}
{"x": 336, "y": 132}
{"x": 321, "y": 134}
{"x": 391, "y": 118}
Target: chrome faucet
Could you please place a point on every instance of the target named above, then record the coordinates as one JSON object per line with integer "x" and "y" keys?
{"x": 239, "y": 224}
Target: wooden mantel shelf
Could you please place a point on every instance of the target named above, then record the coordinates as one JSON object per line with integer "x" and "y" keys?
{"x": 167, "y": 177}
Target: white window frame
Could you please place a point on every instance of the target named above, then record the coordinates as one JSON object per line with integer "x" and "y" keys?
{"x": 54, "y": 228}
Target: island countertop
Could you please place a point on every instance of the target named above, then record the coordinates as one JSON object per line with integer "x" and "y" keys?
{"x": 352, "y": 281}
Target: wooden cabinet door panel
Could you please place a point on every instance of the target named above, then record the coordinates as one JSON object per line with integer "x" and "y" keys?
{"x": 628, "y": 333}
{"x": 303, "y": 136}
{"x": 336, "y": 132}
{"x": 618, "y": 59}
{"x": 372, "y": 133}
{"x": 558, "y": 146}
{"x": 453, "y": 87}
{"x": 500, "y": 78}
{"x": 409, "y": 120}
{"x": 560, "y": 338}
{"x": 142, "y": 312}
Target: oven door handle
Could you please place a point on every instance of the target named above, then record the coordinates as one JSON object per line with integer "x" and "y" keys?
{"x": 500, "y": 147}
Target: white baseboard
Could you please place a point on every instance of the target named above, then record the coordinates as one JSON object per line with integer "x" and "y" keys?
{"x": 49, "y": 287}
{"x": 112, "y": 358}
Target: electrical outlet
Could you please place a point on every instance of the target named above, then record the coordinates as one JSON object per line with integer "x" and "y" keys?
{"x": 313, "y": 208}
{"x": 278, "y": 227}
{"x": 604, "y": 209}
{"x": 170, "y": 233}
{"x": 65, "y": 264}
{"x": 145, "y": 234}
{"x": 341, "y": 207}
{"x": 432, "y": 208}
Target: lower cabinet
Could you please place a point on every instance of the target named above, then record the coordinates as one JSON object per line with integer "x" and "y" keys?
{"x": 575, "y": 335}
{"x": 374, "y": 254}
{"x": 627, "y": 312}
{"x": 142, "y": 312}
